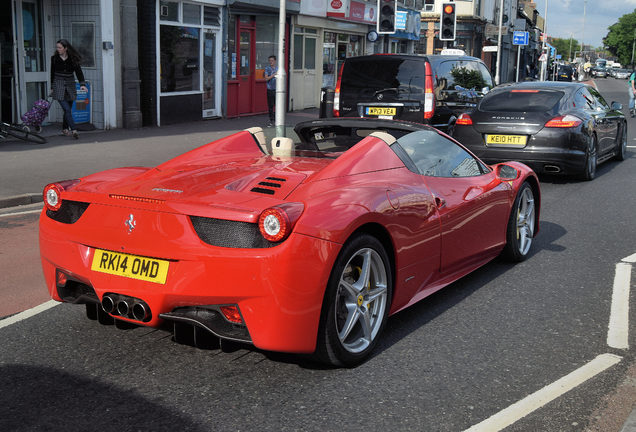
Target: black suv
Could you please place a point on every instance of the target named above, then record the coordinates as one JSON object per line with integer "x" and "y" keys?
{"x": 433, "y": 89}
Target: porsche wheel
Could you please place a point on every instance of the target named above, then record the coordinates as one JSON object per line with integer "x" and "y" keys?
{"x": 590, "y": 161}
{"x": 356, "y": 303}
{"x": 621, "y": 146}
{"x": 521, "y": 225}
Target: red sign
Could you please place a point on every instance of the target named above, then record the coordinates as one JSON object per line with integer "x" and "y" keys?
{"x": 336, "y": 4}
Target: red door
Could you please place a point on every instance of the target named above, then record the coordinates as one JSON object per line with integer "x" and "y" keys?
{"x": 245, "y": 68}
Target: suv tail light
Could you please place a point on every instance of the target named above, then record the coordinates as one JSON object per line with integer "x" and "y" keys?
{"x": 464, "y": 120}
{"x": 429, "y": 95}
{"x": 336, "y": 95}
{"x": 566, "y": 121}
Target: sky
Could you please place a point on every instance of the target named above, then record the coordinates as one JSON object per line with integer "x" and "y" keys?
{"x": 565, "y": 18}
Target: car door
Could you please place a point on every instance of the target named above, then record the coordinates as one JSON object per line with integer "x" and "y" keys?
{"x": 610, "y": 122}
{"x": 473, "y": 204}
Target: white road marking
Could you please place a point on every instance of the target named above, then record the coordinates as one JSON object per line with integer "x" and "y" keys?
{"x": 630, "y": 259}
{"x": 28, "y": 313}
{"x": 21, "y": 213}
{"x": 547, "y": 394}
{"x": 619, "y": 315}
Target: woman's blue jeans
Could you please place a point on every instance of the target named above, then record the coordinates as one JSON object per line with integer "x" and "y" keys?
{"x": 68, "y": 122}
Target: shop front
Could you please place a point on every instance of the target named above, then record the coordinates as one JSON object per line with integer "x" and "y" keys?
{"x": 252, "y": 37}
{"x": 189, "y": 72}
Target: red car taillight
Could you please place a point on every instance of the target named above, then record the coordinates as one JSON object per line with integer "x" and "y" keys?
{"x": 336, "y": 94}
{"x": 566, "y": 121}
{"x": 464, "y": 120}
{"x": 429, "y": 95}
{"x": 52, "y": 193}
{"x": 276, "y": 223}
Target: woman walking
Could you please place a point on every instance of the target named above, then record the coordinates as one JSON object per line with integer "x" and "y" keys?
{"x": 64, "y": 63}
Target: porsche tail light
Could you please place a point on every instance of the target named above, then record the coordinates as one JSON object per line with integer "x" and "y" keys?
{"x": 52, "y": 193}
{"x": 429, "y": 95}
{"x": 464, "y": 120}
{"x": 566, "y": 121}
{"x": 336, "y": 94}
{"x": 276, "y": 223}
{"x": 232, "y": 314}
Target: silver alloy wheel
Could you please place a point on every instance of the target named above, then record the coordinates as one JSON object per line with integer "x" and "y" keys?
{"x": 525, "y": 221}
{"x": 361, "y": 300}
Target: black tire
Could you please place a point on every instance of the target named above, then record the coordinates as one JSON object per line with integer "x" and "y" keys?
{"x": 521, "y": 225}
{"x": 621, "y": 145}
{"x": 356, "y": 303}
{"x": 591, "y": 161}
{"x": 23, "y": 134}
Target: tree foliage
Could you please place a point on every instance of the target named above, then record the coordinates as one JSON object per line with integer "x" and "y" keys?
{"x": 563, "y": 47}
{"x": 620, "y": 38}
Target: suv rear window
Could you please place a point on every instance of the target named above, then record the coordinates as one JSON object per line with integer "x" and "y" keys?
{"x": 392, "y": 75}
{"x": 466, "y": 74}
{"x": 518, "y": 100}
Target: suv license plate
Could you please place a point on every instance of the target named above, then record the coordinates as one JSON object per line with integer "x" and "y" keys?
{"x": 381, "y": 111}
{"x": 130, "y": 266}
{"x": 506, "y": 140}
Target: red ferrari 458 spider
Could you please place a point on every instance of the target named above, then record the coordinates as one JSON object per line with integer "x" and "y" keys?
{"x": 301, "y": 245}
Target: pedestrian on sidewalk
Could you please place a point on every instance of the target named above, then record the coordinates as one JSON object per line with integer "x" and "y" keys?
{"x": 270, "y": 77}
{"x": 64, "y": 63}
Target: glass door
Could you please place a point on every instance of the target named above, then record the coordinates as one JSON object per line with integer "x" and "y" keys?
{"x": 246, "y": 70}
{"x": 31, "y": 58}
{"x": 209, "y": 73}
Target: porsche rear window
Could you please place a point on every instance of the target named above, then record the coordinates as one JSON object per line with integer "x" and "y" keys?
{"x": 521, "y": 100}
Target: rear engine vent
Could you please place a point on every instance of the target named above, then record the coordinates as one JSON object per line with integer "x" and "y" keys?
{"x": 230, "y": 234}
{"x": 69, "y": 212}
{"x": 137, "y": 199}
{"x": 269, "y": 187}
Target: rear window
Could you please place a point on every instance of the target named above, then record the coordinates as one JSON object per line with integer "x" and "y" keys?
{"x": 383, "y": 74}
{"x": 521, "y": 100}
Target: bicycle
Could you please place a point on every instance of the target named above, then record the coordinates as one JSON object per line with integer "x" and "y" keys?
{"x": 20, "y": 131}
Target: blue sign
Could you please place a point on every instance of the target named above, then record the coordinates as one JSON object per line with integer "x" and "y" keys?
{"x": 400, "y": 20}
{"x": 558, "y": 57}
{"x": 81, "y": 110}
{"x": 520, "y": 38}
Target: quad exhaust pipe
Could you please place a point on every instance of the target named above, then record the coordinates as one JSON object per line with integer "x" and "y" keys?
{"x": 125, "y": 306}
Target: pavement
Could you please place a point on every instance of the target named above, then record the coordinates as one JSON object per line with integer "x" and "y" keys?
{"x": 195, "y": 133}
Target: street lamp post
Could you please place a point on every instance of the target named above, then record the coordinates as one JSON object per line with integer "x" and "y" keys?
{"x": 498, "y": 73}
{"x": 544, "y": 65}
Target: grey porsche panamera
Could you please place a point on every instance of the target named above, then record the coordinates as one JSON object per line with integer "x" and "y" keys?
{"x": 553, "y": 127}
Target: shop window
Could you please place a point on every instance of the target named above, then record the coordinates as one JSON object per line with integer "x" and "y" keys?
{"x": 169, "y": 11}
{"x": 429, "y": 5}
{"x": 83, "y": 39}
{"x": 180, "y": 61}
{"x": 266, "y": 42}
{"x": 305, "y": 48}
{"x": 191, "y": 14}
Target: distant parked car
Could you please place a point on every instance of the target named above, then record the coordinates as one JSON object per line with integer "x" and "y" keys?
{"x": 599, "y": 72}
{"x": 555, "y": 128}
{"x": 622, "y": 73}
{"x": 565, "y": 73}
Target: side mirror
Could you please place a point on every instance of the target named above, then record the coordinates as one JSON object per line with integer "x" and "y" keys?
{"x": 616, "y": 106}
{"x": 506, "y": 172}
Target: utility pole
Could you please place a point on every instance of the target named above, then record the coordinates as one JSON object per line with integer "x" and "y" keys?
{"x": 498, "y": 73}
{"x": 544, "y": 65}
{"x": 279, "y": 114}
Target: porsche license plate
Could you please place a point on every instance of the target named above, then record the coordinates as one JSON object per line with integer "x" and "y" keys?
{"x": 507, "y": 140}
{"x": 130, "y": 266}
{"x": 381, "y": 111}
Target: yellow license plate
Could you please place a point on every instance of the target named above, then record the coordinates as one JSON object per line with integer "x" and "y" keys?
{"x": 381, "y": 111}
{"x": 507, "y": 140}
{"x": 130, "y": 266}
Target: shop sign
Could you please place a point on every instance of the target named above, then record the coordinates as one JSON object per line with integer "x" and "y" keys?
{"x": 338, "y": 8}
{"x": 81, "y": 110}
{"x": 362, "y": 12}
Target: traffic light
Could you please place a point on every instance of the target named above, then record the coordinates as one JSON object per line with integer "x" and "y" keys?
{"x": 386, "y": 16}
{"x": 447, "y": 22}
